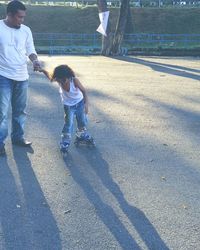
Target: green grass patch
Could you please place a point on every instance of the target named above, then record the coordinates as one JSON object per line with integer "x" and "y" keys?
{"x": 51, "y": 19}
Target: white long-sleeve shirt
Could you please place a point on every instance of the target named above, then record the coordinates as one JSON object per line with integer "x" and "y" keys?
{"x": 15, "y": 46}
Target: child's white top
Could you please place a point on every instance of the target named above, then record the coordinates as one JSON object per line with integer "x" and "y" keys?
{"x": 15, "y": 46}
{"x": 72, "y": 97}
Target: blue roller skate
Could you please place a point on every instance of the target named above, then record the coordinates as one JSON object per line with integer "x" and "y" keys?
{"x": 64, "y": 144}
{"x": 83, "y": 138}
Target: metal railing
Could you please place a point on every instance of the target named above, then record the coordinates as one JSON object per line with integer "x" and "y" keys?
{"x": 176, "y": 41}
{"x": 60, "y": 43}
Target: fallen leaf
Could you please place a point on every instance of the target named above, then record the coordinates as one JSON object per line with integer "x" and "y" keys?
{"x": 185, "y": 207}
{"x": 68, "y": 211}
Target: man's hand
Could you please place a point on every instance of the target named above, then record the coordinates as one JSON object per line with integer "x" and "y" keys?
{"x": 36, "y": 65}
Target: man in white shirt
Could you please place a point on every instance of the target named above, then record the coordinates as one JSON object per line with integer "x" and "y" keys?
{"x": 16, "y": 44}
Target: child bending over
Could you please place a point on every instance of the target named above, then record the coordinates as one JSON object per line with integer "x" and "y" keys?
{"x": 75, "y": 102}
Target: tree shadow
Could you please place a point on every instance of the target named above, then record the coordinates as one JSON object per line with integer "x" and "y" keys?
{"x": 138, "y": 219}
{"x": 189, "y": 121}
{"x": 176, "y": 66}
{"x": 164, "y": 68}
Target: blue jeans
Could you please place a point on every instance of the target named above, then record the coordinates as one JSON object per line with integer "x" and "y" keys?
{"x": 16, "y": 93}
{"x": 77, "y": 110}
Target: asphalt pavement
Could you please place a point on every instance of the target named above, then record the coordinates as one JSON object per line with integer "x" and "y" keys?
{"x": 138, "y": 189}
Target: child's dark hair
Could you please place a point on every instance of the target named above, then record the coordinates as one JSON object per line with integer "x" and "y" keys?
{"x": 62, "y": 72}
{"x": 14, "y": 6}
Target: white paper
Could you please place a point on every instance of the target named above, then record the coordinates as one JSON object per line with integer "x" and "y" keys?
{"x": 101, "y": 30}
{"x": 103, "y": 16}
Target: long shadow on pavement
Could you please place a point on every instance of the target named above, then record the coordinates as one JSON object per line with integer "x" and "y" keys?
{"x": 103, "y": 210}
{"x": 12, "y": 228}
{"x": 41, "y": 229}
{"x": 140, "y": 222}
{"x": 138, "y": 219}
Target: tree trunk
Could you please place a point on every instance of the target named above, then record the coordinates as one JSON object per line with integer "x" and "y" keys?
{"x": 120, "y": 29}
{"x": 129, "y": 22}
{"x": 106, "y": 40}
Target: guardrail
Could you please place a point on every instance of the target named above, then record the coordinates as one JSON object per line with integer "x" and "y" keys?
{"x": 60, "y": 43}
{"x": 163, "y": 40}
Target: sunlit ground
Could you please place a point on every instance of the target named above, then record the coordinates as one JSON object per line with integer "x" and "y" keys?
{"x": 140, "y": 187}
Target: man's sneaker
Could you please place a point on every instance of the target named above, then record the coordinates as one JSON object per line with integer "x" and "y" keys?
{"x": 2, "y": 150}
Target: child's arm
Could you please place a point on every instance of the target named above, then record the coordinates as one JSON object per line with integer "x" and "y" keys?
{"x": 46, "y": 73}
{"x": 82, "y": 89}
